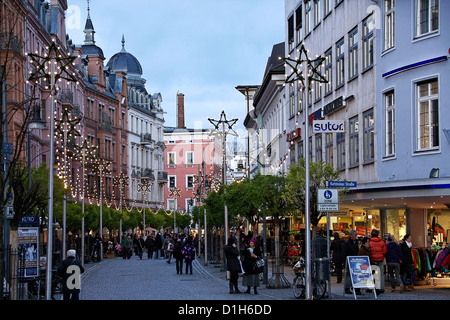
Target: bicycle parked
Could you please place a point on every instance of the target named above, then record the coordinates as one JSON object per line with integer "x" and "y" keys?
{"x": 319, "y": 287}
{"x": 36, "y": 287}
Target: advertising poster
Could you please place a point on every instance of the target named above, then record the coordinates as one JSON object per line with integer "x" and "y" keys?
{"x": 28, "y": 240}
{"x": 360, "y": 272}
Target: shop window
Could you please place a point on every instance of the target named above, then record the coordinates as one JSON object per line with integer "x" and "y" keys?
{"x": 396, "y": 223}
{"x": 439, "y": 220}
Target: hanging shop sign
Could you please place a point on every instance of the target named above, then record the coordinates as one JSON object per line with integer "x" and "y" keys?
{"x": 318, "y": 114}
{"x": 291, "y": 136}
{"x": 334, "y": 106}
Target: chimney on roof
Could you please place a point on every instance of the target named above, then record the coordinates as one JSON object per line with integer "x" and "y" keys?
{"x": 180, "y": 110}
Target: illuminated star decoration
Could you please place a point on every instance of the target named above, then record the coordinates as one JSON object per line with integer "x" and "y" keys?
{"x": 67, "y": 124}
{"x": 84, "y": 151}
{"x": 120, "y": 182}
{"x": 42, "y": 66}
{"x": 223, "y": 120}
{"x": 313, "y": 64}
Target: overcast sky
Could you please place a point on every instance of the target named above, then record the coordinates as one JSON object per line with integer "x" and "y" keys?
{"x": 201, "y": 48}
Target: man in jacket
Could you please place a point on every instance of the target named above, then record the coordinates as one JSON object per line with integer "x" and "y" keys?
{"x": 378, "y": 252}
{"x": 349, "y": 248}
{"x": 70, "y": 271}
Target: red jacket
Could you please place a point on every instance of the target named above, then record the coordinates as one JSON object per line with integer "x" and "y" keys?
{"x": 378, "y": 249}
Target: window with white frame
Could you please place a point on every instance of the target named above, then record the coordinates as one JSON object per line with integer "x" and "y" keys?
{"x": 291, "y": 100}
{"x": 329, "y": 149}
{"x": 171, "y": 159}
{"x": 299, "y": 23}
{"x": 171, "y": 204}
{"x": 317, "y": 12}
{"x": 427, "y": 16}
{"x": 189, "y": 158}
{"x": 369, "y": 136}
{"x": 368, "y": 42}
{"x": 389, "y": 101}
{"x": 308, "y": 15}
{"x": 319, "y": 148}
{"x": 354, "y": 141}
{"x": 340, "y": 63}
{"x": 189, "y": 182}
{"x": 291, "y": 32}
{"x": 328, "y": 71}
{"x": 326, "y": 7}
{"x": 389, "y": 24}
{"x": 318, "y": 85}
{"x": 340, "y": 149}
{"x": 353, "y": 53}
{"x": 427, "y": 107}
{"x": 172, "y": 182}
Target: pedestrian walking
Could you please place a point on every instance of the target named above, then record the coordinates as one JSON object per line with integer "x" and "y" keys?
{"x": 178, "y": 255}
{"x": 140, "y": 245}
{"x": 251, "y": 276}
{"x": 394, "y": 259}
{"x": 129, "y": 247}
{"x": 168, "y": 247}
{"x": 150, "y": 244}
{"x": 336, "y": 248}
{"x": 349, "y": 248}
{"x": 407, "y": 269}
{"x": 378, "y": 252}
{"x": 123, "y": 244}
{"x": 67, "y": 271}
{"x": 233, "y": 264}
{"x": 189, "y": 254}
{"x": 158, "y": 245}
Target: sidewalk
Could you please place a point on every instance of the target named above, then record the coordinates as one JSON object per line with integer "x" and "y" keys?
{"x": 423, "y": 292}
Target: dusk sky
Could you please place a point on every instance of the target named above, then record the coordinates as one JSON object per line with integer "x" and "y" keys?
{"x": 201, "y": 48}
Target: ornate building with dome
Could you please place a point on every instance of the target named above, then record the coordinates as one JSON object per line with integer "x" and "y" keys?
{"x": 145, "y": 131}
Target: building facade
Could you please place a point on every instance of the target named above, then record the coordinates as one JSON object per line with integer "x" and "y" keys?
{"x": 145, "y": 145}
{"x": 189, "y": 153}
{"x": 384, "y": 63}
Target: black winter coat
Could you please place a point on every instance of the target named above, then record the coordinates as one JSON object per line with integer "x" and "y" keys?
{"x": 232, "y": 254}
{"x": 62, "y": 271}
{"x": 177, "y": 250}
{"x": 249, "y": 261}
{"x": 336, "y": 247}
{"x": 349, "y": 248}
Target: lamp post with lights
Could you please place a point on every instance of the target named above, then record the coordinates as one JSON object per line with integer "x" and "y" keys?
{"x": 298, "y": 68}
{"x": 51, "y": 67}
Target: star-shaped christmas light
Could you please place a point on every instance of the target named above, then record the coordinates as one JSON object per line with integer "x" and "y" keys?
{"x": 313, "y": 64}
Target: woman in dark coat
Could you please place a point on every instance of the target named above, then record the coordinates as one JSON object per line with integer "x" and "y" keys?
{"x": 179, "y": 245}
{"x": 251, "y": 275}
{"x": 233, "y": 264}
{"x": 336, "y": 247}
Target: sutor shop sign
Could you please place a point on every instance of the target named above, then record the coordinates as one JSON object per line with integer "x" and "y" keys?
{"x": 328, "y": 126}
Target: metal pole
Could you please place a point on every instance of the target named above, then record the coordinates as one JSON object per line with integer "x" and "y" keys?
{"x": 50, "y": 186}
{"x": 307, "y": 208}
{"x": 204, "y": 215}
{"x": 328, "y": 254}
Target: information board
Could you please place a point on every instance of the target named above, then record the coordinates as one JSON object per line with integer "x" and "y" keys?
{"x": 28, "y": 241}
{"x": 360, "y": 272}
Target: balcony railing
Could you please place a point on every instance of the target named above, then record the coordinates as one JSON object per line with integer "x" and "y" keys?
{"x": 162, "y": 177}
{"x": 146, "y": 139}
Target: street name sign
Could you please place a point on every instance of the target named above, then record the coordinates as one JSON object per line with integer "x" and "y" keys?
{"x": 342, "y": 184}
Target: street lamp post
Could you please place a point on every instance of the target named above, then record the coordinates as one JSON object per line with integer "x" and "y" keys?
{"x": 83, "y": 153}
{"x": 223, "y": 127}
{"x": 309, "y": 67}
{"x": 175, "y": 193}
{"x": 144, "y": 187}
{"x": 51, "y": 67}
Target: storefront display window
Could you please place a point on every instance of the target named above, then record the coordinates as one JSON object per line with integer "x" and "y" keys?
{"x": 439, "y": 220}
{"x": 396, "y": 223}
